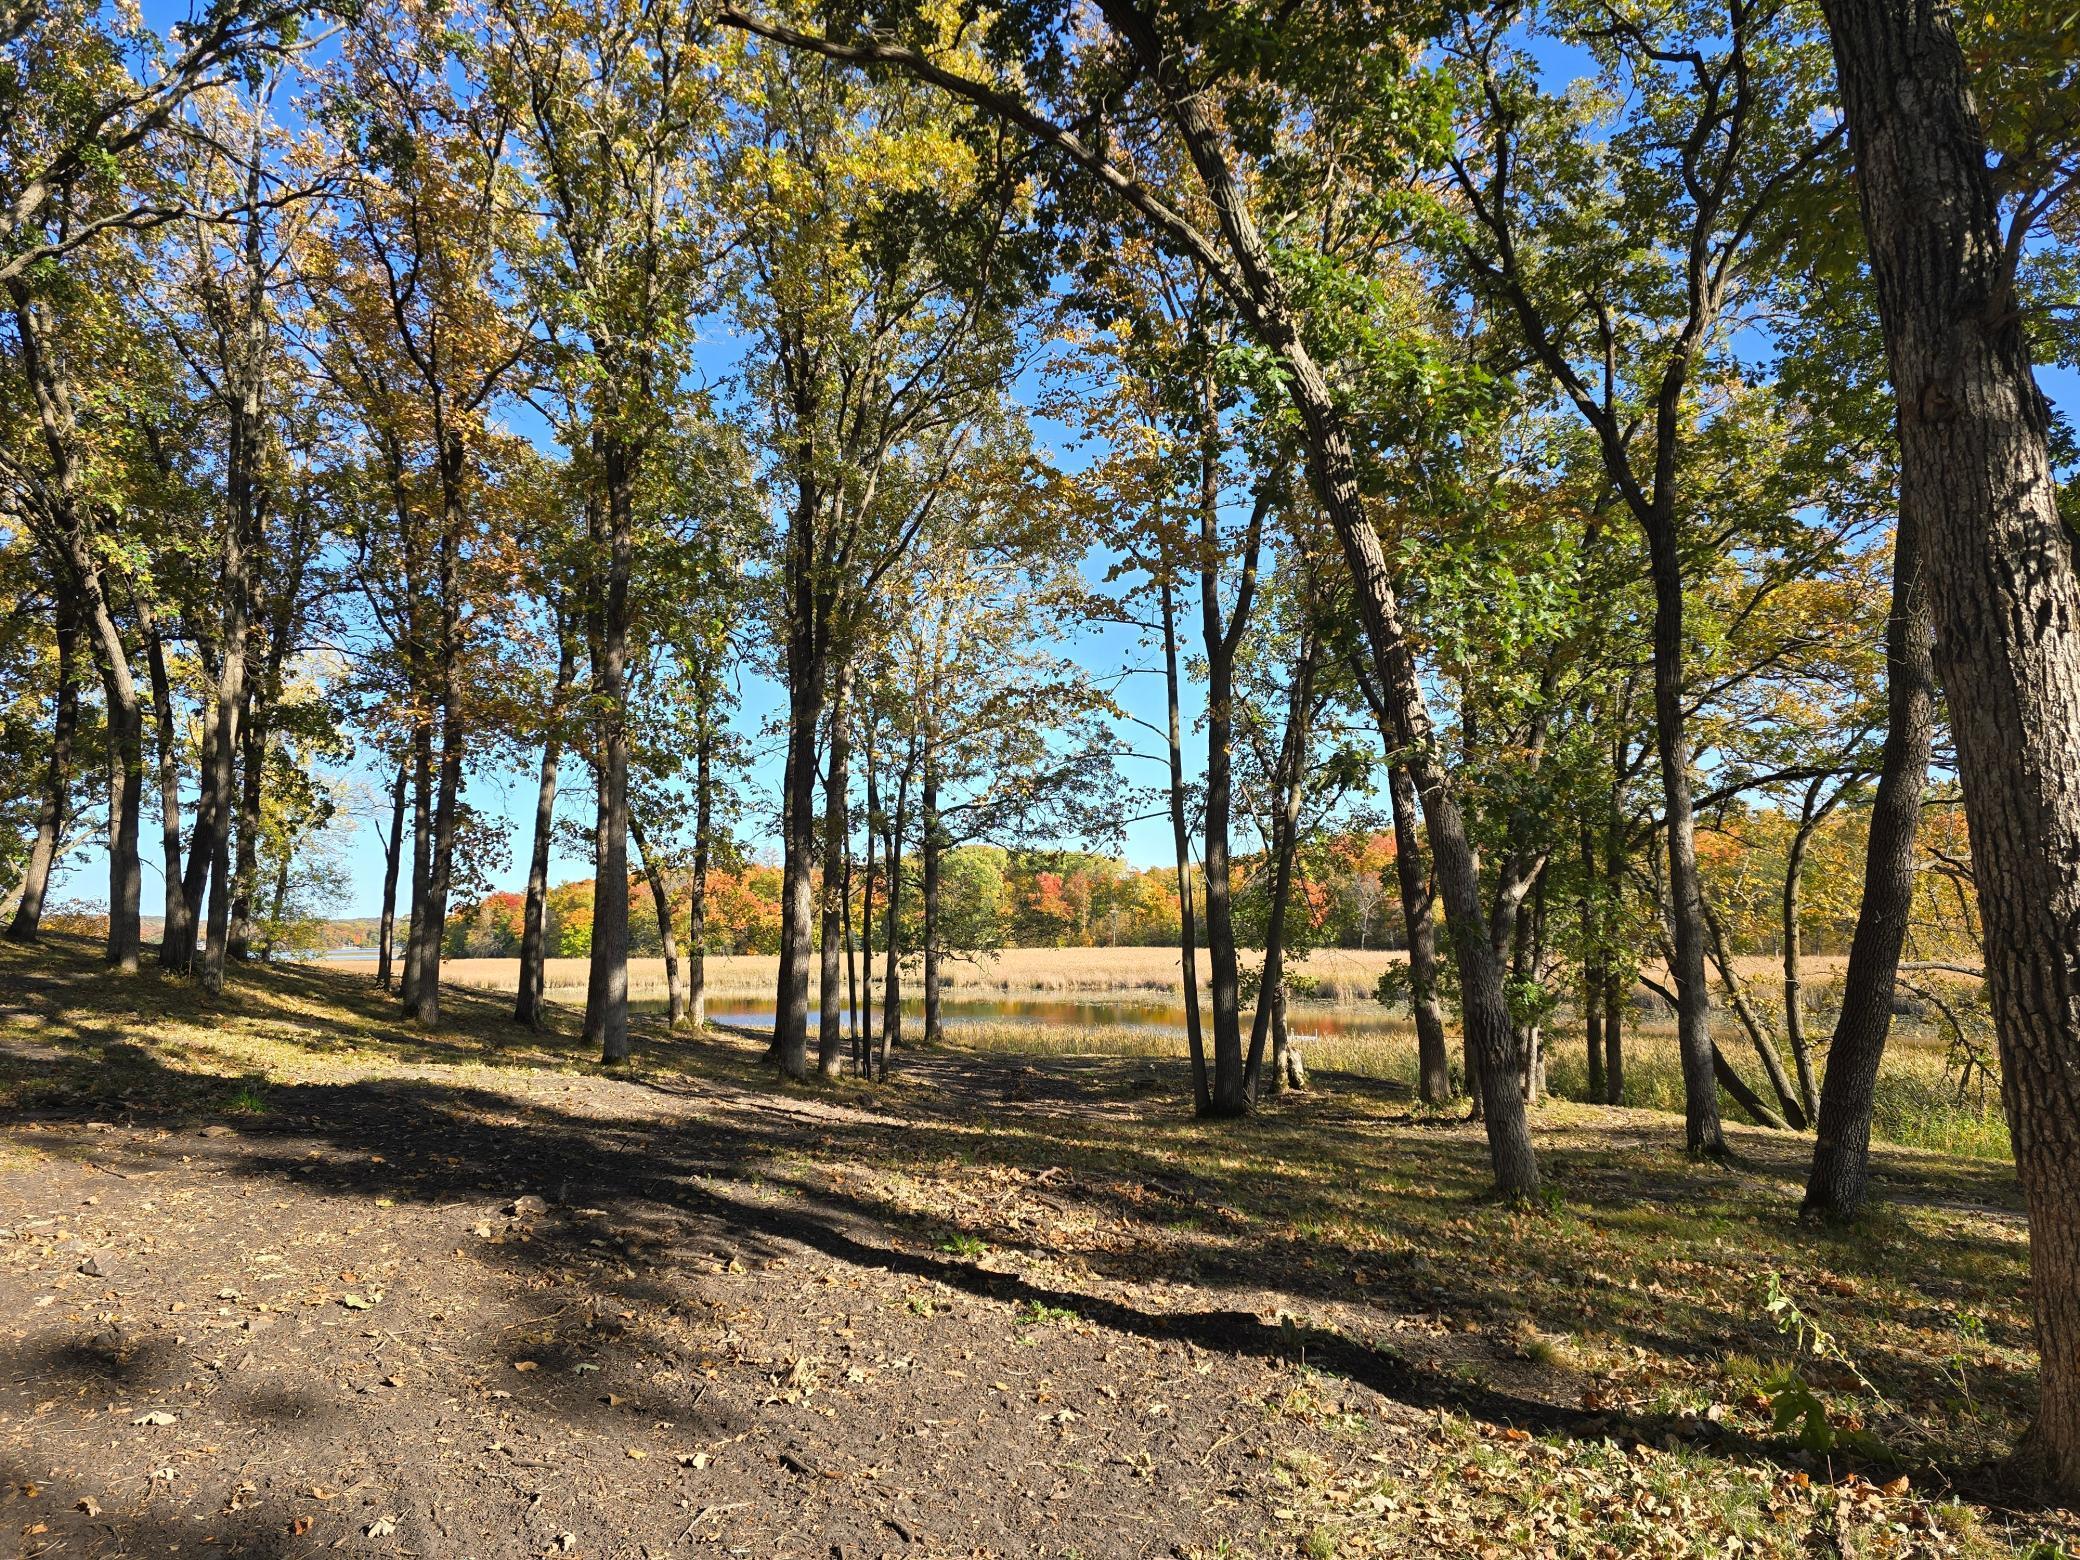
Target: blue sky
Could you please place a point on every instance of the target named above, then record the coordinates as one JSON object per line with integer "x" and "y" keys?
{"x": 1111, "y": 655}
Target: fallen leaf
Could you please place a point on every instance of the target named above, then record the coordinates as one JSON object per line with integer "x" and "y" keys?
{"x": 636, "y": 1454}
{"x": 693, "y": 1459}
{"x": 382, "y": 1527}
{"x": 89, "y": 1505}
{"x": 526, "y": 1365}
{"x": 157, "y": 1416}
{"x": 299, "y": 1527}
{"x": 355, "y": 1302}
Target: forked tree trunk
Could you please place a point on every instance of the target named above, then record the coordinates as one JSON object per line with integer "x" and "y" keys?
{"x": 1976, "y": 482}
{"x": 53, "y": 815}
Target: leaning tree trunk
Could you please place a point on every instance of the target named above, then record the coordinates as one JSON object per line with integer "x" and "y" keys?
{"x": 1976, "y": 486}
{"x": 51, "y": 817}
{"x": 1840, "y": 1177}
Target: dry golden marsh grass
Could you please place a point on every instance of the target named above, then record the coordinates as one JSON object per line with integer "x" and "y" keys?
{"x": 1337, "y": 974}
{"x": 1343, "y": 1029}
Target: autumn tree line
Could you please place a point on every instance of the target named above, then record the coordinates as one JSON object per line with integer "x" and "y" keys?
{"x": 1561, "y": 439}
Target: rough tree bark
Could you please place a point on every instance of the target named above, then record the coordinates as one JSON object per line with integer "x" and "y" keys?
{"x": 1976, "y": 487}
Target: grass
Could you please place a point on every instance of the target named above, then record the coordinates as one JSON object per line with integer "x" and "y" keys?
{"x": 1916, "y": 1105}
{"x": 1641, "y": 1291}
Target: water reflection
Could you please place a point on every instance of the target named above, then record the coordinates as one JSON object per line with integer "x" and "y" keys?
{"x": 1317, "y": 1019}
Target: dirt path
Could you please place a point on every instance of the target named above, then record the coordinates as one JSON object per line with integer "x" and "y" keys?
{"x": 578, "y": 1317}
{"x": 280, "y": 1279}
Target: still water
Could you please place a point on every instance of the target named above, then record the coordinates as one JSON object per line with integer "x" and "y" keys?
{"x": 1319, "y": 1019}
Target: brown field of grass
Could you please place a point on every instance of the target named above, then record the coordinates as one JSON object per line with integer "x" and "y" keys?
{"x": 1336, "y": 974}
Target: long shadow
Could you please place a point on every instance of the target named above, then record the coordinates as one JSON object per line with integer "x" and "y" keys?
{"x": 693, "y": 1168}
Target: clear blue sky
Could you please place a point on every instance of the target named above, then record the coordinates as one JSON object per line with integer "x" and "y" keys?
{"x": 1111, "y": 655}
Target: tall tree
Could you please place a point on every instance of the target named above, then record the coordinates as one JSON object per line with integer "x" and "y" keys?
{"x": 1978, "y": 500}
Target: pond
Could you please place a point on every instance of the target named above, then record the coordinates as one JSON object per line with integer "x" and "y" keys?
{"x": 1324, "y": 1020}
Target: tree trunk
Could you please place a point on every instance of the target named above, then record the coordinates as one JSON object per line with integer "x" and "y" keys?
{"x": 892, "y": 981}
{"x": 1180, "y": 835}
{"x": 1285, "y": 837}
{"x": 422, "y": 858}
{"x": 798, "y": 874}
{"x": 1840, "y": 1176}
{"x": 863, "y": 1038}
{"x": 1977, "y": 487}
{"x": 931, "y": 847}
{"x": 606, "y": 1007}
{"x": 1433, "y": 1058}
{"x": 1794, "y": 955}
{"x": 534, "y": 916}
{"x": 54, "y": 814}
{"x": 393, "y": 855}
{"x": 245, "y": 869}
{"x": 180, "y": 954}
{"x": 1613, "y": 1040}
{"x": 1701, "y": 1131}
{"x": 668, "y": 937}
{"x": 174, "y": 930}
{"x": 1228, "y": 1094}
{"x": 1751, "y": 1021}
{"x": 697, "y": 890}
{"x": 837, "y": 830}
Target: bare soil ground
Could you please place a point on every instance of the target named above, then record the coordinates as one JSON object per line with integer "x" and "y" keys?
{"x": 280, "y": 1277}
